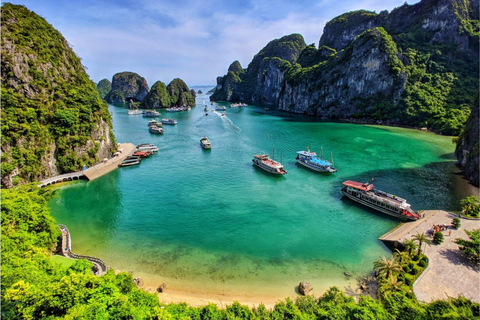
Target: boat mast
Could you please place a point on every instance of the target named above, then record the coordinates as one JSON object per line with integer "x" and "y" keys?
{"x": 331, "y": 158}
{"x": 321, "y": 153}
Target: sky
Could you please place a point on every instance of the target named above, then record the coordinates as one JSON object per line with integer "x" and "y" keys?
{"x": 193, "y": 40}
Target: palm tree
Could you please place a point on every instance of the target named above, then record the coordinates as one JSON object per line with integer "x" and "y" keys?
{"x": 421, "y": 238}
{"x": 470, "y": 206}
{"x": 386, "y": 267}
{"x": 390, "y": 284}
{"x": 410, "y": 245}
{"x": 401, "y": 256}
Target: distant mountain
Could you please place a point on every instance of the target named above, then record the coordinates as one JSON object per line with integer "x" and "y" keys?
{"x": 52, "y": 119}
{"x": 417, "y": 65}
{"x": 127, "y": 86}
{"x": 104, "y": 87}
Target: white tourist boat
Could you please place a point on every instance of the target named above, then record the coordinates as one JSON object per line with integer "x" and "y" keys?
{"x": 264, "y": 162}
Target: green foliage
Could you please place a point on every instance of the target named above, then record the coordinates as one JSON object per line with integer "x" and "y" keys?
{"x": 471, "y": 248}
{"x": 471, "y": 206}
{"x": 56, "y": 104}
{"x": 180, "y": 94}
{"x": 438, "y": 237}
{"x": 104, "y": 87}
{"x": 158, "y": 96}
{"x": 456, "y": 223}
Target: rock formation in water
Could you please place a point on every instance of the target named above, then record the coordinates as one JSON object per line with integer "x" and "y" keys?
{"x": 53, "y": 120}
{"x": 104, "y": 87}
{"x": 416, "y": 66}
{"x": 127, "y": 86}
{"x": 466, "y": 150}
{"x": 176, "y": 94}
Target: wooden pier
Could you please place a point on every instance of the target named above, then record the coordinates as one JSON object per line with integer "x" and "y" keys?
{"x": 98, "y": 170}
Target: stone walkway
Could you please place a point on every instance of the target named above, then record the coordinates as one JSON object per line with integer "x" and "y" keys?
{"x": 449, "y": 273}
{"x": 103, "y": 168}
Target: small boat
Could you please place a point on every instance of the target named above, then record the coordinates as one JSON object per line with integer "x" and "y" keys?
{"x": 169, "y": 121}
{"x": 205, "y": 143}
{"x": 366, "y": 194}
{"x": 133, "y": 112}
{"x": 151, "y": 113}
{"x": 155, "y": 123}
{"x": 142, "y": 154}
{"x": 155, "y": 129}
{"x": 223, "y": 114}
{"x": 311, "y": 161}
{"x": 130, "y": 161}
{"x": 206, "y": 108}
{"x": 264, "y": 162}
{"x": 220, "y": 108}
{"x": 147, "y": 147}
{"x": 206, "y": 113}
{"x": 174, "y": 109}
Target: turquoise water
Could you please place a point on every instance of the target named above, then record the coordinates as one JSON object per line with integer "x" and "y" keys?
{"x": 208, "y": 221}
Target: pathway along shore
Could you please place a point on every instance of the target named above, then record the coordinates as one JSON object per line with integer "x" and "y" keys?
{"x": 449, "y": 273}
{"x": 124, "y": 150}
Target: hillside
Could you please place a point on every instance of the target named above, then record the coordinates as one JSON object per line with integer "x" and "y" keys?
{"x": 417, "y": 66}
{"x": 52, "y": 120}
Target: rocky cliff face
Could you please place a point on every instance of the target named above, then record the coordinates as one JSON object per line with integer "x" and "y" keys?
{"x": 127, "y": 86}
{"x": 53, "y": 120}
{"x": 180, "y": 94}
{"x": 467, "y": 151}
{"x": 416, "y": 66}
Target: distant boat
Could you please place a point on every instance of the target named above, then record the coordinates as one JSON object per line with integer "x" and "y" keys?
{"x": 147, "y": 147}
{"x": 130, "y": 161}
{"x": 133, "y": 112}
{"x": 264, "y": 162}
{"x": 206, "y": 108}
{"x": 155, "y": 129}
{"x": 311, "y": 161}
{"x": 367, "y": 195}
{"x": 205, "y": 143}
{"x": 155, "y": 123}
{"x": 151, "y": 114}
{"x": 220, "y": 108}
{"x": 142, "y": 154}
{"x": 169, "y": 121}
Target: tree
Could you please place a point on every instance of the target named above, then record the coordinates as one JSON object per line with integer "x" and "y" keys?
{"x": 471, "y": 248}
{"x": 387, "y": 267}
{"x": 456, "y": 223}
{"x": 410, "y": 245}
{"x": 421, "y": 238}
{"x": 471, "y": 206}
{"x": 401, "y": 256}
{"x": 438, "y": 237}
{"x": 390, "y": 284}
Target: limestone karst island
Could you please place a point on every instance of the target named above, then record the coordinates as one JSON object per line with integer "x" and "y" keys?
{"x": 331, "y": 171}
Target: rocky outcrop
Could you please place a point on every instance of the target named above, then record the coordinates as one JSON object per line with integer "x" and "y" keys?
{"x": 157, "y": 97}
{"x": 416, "y": 66}
{"x": 304, "y": 288}
{"x": 104, "y": 87}
{"x": 180, "y": 94}
{"x": 127, "y": 86}
{"x": 466, "y": 150}
{"x": 53, "y": 120}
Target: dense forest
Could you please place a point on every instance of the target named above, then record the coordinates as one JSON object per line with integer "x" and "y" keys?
{"x": 52, "y": 118}
{"x": 36, "y": 287}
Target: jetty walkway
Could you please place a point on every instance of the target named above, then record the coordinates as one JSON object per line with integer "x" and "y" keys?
{"x": 98, "y": 170}
{"x": 449, "y": 273}
{"x": 99, "y": 266}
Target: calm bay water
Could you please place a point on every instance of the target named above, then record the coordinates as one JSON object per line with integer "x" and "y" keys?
{"x": 208, "y": 221}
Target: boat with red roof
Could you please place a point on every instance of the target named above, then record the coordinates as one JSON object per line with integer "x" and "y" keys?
{"x": 366, "y": 194}
{"x": 264, "y": 162}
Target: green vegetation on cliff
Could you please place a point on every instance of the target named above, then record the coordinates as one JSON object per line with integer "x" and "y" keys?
{"x": 51, "y": 111}
{"x": 157, "y": 97}
{"x": 180, "y": 94}
{"x": 104, "y": 87}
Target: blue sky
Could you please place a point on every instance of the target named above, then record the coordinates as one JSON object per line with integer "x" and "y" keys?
{"x": 188, "y": 39}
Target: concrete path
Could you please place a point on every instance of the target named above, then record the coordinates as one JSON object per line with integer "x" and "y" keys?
{"x": 449, "y": 273}
{"x": 111, "y": 164}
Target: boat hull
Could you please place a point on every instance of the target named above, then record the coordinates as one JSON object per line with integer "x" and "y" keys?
{"x": 312, "y": 167}
{"x": 377, "y": 208}
{"x": 267, "y": 168}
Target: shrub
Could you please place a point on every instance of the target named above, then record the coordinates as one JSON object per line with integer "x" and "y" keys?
{"x": 438, "y": 237}
{"x": 456, "y": 223}
{"x": 414, "y": 271}
{"x": 406, "y": 268}
{"x": 408, "y": 281}
{"x": 416, "y": 257}
{"x": 422, "y": 263}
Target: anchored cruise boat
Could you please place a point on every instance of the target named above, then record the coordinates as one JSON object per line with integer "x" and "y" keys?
{"x": 367, "y": 195}
{"x": 264, "y": 162}
{"x": 311, "y": 161}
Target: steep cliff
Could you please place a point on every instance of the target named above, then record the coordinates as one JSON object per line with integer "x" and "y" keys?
{"x": 157, "y": 97}
{"x": 466, "y": 150}
{"x": 104, "y": 87}
{"x": 127, "y": 86}
{"x": 180, "y": 94}
{"x": 416, "y": 66}
{"x": 52, "y": 118}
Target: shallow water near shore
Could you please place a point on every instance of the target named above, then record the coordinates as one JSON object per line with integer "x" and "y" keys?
{"x": 209, "y": 222}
